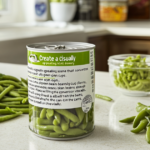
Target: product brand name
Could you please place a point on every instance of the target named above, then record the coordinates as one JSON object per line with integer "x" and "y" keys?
{"x": 61, "y": 58}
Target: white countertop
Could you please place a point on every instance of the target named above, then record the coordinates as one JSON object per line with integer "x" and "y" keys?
{"x": 109, "y": 134}
{"x": 87, "y": 29}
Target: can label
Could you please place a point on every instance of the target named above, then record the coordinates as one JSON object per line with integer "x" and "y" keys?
{"x": 61, "y": 80}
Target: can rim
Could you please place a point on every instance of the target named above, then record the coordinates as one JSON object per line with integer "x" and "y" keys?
{"x": 87, "y": 46}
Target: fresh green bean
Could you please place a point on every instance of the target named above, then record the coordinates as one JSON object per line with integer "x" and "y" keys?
{"x": 14, "y": 94}
{"x": 148, "y": 134}
{"x": 67, "y": 114}
{"x": 13, "y": 106}
{"x": 8, "y": 117}
{"x": 24, "y": 84}
{"x": 22, "y": 92}
{"x": 9, "y": 99}
{"x": 103, "y": 97}
{"x": 142, "y": 125}
{"x": 7, "y": 90}
{"x": 128, "y": 120}
{"x": 139, "y": 117}
{"x": 72, "y": 124}
{"x": 24, "y": 80}
{"x": 5, "y": 112}
{"x": 12, "y": 103}
{"x": 23, "y": 110}
{"x": 1, "y": 88}
{"x": 8, "y": 77}
{"x": 140, "y": 106}
{"x": 25, "y": 100}
{"x": 10, "y": 82}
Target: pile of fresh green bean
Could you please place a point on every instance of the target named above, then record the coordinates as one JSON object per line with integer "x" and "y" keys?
{"x": 141, "y": 121}
{"x": 60, "y": 123}
{"x": 13, "y": 97}
{"x": 133, "y": 75}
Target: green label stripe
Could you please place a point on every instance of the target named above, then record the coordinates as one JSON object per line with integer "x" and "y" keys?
{"x": 58, "y": 59}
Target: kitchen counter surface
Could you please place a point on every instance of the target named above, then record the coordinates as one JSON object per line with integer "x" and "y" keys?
{"x": 129, "y": 28}
{"x": 85, "y": 29}
{"x": 109, "y": 134}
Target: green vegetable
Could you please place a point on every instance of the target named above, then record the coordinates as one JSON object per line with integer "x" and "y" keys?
{"x": 148, "y": 134}
{"x": 103, "y": 97}
{"x": 142, "y": 125}
{"x": 61, "y": 123}
{"x": 134, "y": 74}
{"x": 64, "y": 125}
{"x": 10, "y": 99}
{"x": 8, "y": 117}
{"x": 43, "y": 113}
{"x": 128, "y": 120}
{"x": 67, "y": 114}
{"x": 139, "y": 117}
{"x": 7, "y": 90}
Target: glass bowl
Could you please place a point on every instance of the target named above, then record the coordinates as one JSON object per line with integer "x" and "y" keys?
{"x": 130, "y": 74}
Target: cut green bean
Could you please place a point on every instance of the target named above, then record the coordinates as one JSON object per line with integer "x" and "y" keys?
{"x": 43, "y": 133}
{"x": 67, "y": 114}
{"x": 57, "y": 117}
{"x": 41, "y": 121}
{"x": 80, "y": 113}
{"x": 64, "y": 125}
{"x": 50, "y": 112}
{"x": 103, "y": 97}
{"x": 43, "y": 113}
{"x": 74, "y": 132}
{"x": 45, "y": 127}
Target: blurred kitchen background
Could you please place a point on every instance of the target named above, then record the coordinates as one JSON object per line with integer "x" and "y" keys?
{"x": 114, "y": 26}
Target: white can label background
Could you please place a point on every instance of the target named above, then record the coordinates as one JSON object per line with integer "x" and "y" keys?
{"x": 61, "y": 80}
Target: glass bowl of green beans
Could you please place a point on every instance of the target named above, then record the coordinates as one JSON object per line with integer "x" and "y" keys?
{"x": 130, "y": 73}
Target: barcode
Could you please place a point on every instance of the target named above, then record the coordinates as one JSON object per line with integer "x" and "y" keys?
{"x": 92, "y": 69}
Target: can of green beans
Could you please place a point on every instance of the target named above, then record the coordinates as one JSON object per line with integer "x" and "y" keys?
{"x": 61, "y": 89}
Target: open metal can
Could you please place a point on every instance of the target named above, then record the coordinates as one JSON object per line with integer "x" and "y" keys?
{"x": 61, "y": 86}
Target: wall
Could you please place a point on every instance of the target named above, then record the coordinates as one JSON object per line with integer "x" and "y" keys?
{"x": 20, "y": 11}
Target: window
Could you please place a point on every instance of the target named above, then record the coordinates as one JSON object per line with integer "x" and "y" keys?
{"x": 4, "y": 6}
